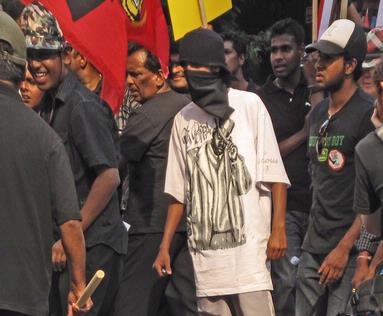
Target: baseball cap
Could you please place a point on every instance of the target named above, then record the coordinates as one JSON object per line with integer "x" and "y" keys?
{"x": 41, "y": 28}
{"x": 203, "y": 47}
{"x": 11, "y": 33}
{"x": 342, "y": 36}
{"x": 374, "y": 48}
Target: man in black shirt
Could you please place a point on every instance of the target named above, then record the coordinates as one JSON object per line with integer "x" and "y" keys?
{"x": 235, "y": 58}
{"x": 287, "y": 98}
{"x": 37, "y": 190}
{"x": 368, "y": 197}
{"x": 144, "y": 146}
{"x": 336, "y": 126}
{"x": 83, "y": 123}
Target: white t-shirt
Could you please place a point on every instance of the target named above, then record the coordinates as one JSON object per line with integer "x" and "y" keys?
{"x": 222, "y": 175}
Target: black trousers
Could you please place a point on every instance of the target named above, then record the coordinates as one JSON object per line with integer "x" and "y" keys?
{"x": 98, "y": 257}
{"x": 143, "y": 293}
{"x": 4, "y": 312}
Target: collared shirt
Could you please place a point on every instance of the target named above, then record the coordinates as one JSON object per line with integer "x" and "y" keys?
{"x": 144, "y": 145}
{"x": 89, "y": 133}
{"x": 288, "y": 112}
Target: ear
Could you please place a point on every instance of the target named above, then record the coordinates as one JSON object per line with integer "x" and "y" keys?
{"x": 159, "y": 78}
{"x": 66, "y": 56}
{"x": 350, "y": 66}
{"x": 83, "y": 61}
{"x": 301, "y": 50}
{"x": 241, "y": 59}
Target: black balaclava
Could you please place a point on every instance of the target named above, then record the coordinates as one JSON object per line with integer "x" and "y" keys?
{"x": 209, "y": 92}
{"x": 202, "y": 47}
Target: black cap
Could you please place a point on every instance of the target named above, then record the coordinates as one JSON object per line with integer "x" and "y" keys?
{"x": 342, "y": 36}
{"x": 203, "y": 47}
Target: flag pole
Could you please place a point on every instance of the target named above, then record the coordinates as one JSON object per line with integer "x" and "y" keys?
{"x": 202, "y": 12}
{"x": 314, "y": 20}
{"x": 343, "y": 9}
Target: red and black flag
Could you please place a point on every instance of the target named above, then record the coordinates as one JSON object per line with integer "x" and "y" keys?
{"x": 101, "y": 29}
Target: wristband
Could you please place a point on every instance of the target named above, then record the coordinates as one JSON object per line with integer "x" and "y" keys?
{"x": 364, "y": 257}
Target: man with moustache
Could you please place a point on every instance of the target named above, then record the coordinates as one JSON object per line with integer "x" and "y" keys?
{"x": 335, "y": 127}
{"x": 287, "y": 98}
{"x": 176, "y": 78}
{"x": 144, "y": 148}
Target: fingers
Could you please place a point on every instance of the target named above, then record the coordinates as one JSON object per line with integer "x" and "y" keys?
{"x": 275, "y": 253}
{"x": 162, "y": 266}
{"x": 59, "y": 261}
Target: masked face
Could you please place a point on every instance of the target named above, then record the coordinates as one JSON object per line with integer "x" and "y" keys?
{"x": 208, "y": 90}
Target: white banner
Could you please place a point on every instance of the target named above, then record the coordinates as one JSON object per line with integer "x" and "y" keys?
{"x": 379, "y": 18}
{"x": 326, "y": 16}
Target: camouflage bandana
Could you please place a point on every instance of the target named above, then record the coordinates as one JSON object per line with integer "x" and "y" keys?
{"x": 41, "y": 28}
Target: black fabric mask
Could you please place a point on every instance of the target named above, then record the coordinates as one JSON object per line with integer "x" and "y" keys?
{"x": 209, "y": 92}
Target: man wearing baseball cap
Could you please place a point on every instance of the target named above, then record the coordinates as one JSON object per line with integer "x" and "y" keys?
{"x": 336, "y": 126}
{"x": 223, "y": 165}
{"x": 37, "y": 192}
{"x": 374, "y": 53}
{"x": 82, "y": 120}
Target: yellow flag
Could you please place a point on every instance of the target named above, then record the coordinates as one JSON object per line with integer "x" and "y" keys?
{"x": 186, "y": 16}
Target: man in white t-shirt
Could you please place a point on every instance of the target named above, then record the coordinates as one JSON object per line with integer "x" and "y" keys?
{"x": 223, "y": 168}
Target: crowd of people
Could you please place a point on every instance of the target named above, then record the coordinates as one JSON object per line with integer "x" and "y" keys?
{"x": 214, "y": 196}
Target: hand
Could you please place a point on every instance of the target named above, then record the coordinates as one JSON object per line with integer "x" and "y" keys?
{"x": 333, "y": 265}
{"x": 361, "y": 272}
{"x": 376, "y": 118}
{"x": 232, "y": 151}
{"x": 277, "y": 244}
{"x": 73, "y": 308}
{"x": 58, "y": 256}
{"x": 162, "y": 263}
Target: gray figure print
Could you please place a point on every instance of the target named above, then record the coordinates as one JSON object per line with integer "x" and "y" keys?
{"x": 218, "y": 176}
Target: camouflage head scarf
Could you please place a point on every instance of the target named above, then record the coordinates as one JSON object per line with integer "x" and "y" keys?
{"x": 41, "y": 28}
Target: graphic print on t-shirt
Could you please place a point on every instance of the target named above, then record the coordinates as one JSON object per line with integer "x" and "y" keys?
{"x": 218, "y": 176}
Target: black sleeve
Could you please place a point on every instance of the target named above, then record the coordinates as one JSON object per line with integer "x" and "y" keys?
{"x": 365, "y": 200}
{"x": 137, "y": 136}
{"x": 92, "y": 135}
{"x": 366, "y": 125}
{"x": 63, "y": 192}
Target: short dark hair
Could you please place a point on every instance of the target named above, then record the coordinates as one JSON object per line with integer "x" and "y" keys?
{"x": 288, "y": 26}
{"x": 358, "y": 72}
{"x": 239, "y": 43}
{"x": 8, "y": 70}
{"x": 152, "y": 62}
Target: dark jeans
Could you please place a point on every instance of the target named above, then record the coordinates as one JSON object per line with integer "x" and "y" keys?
{"x": 284, "y": 270}
{"x": 98, "y": 257}
{"x": 143, "y": 293}
{"x": 314, "y": 299}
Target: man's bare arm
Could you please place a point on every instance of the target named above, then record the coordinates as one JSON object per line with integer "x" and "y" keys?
{"x": 333, "y": 265}
{"x": 175, "y": 213}
{"x": 277, "y": 243}
{"x": 99, "y": 196}
{"x": 74, "y": 245}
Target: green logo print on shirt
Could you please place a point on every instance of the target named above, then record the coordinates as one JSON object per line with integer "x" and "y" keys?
{"x": 334, "y": 141}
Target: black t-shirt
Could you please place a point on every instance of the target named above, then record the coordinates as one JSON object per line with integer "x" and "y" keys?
{"x": 90, "y": 135}
{"x": 144, "y": 145}
{"x": 333, "y": 172}
{"x": 369, "y": 173}
{"x": 37, "y": 186}
{"x": 288, "y": 113}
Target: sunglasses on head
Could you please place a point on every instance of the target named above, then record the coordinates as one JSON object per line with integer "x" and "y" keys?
{"x": 322, "y": 134}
